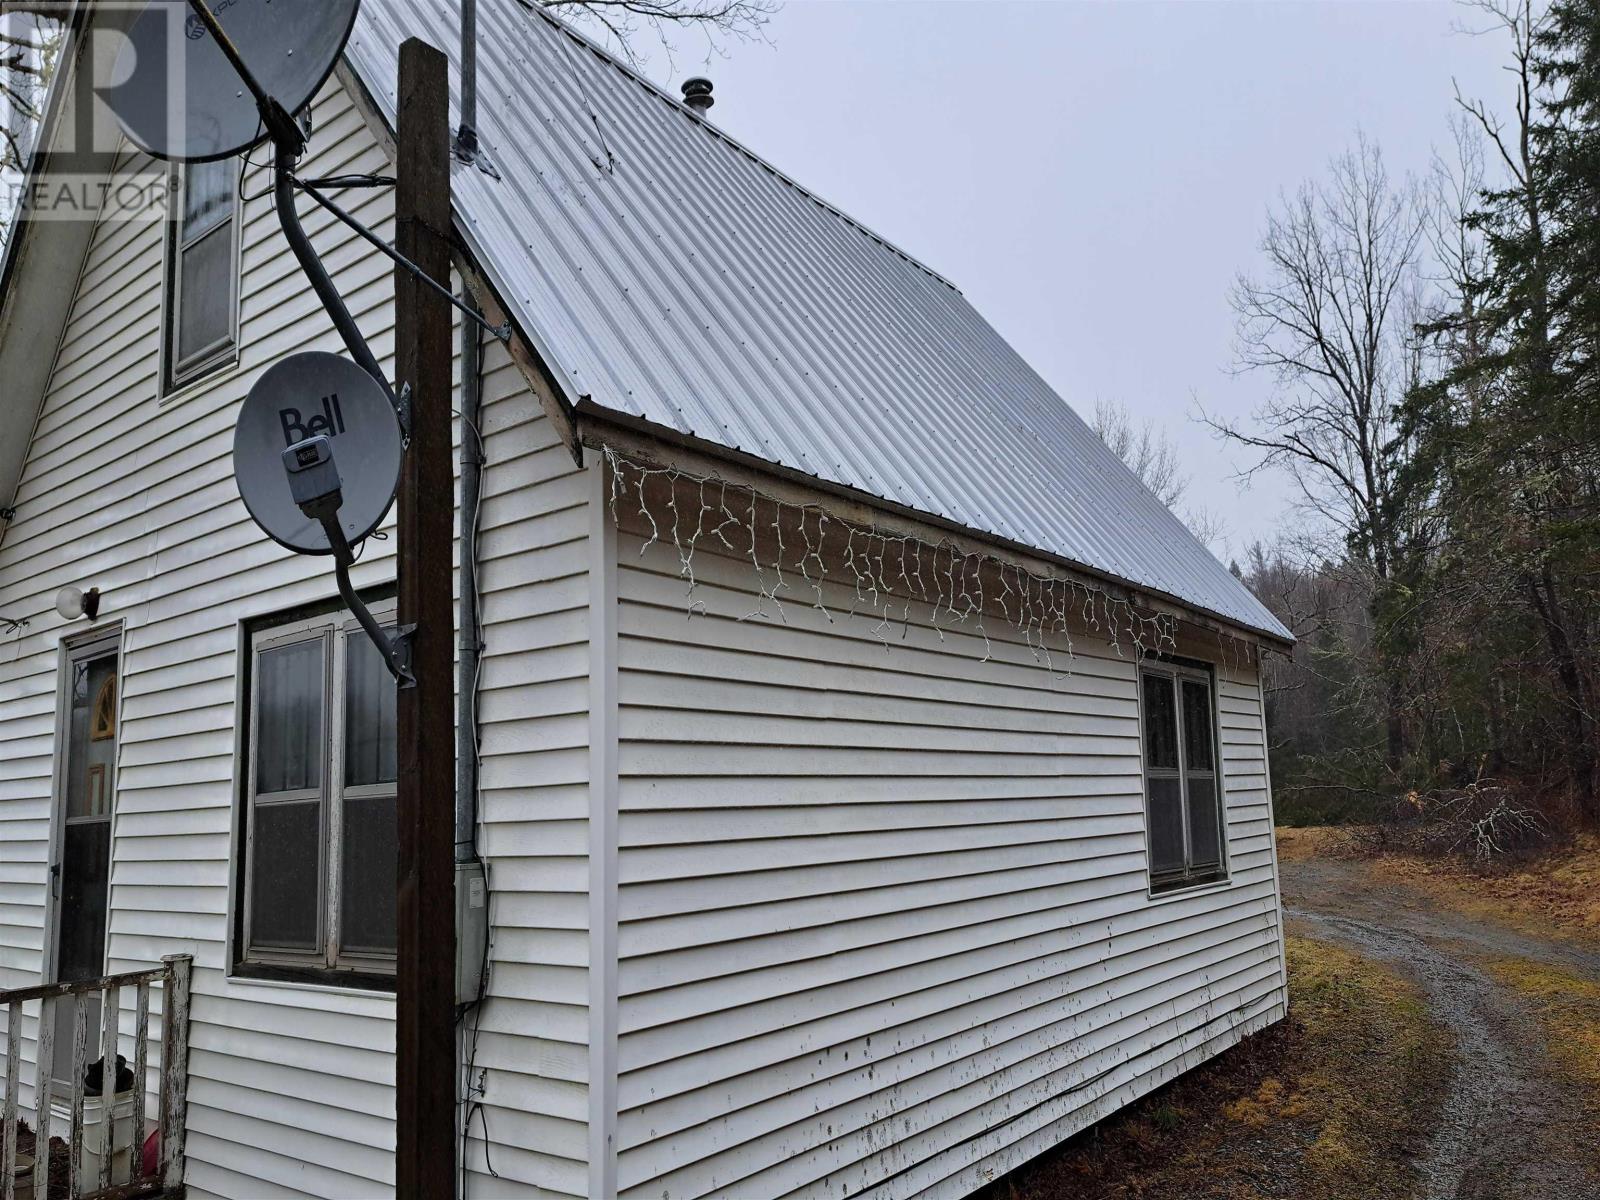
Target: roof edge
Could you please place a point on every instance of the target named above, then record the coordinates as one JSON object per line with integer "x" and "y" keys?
{"x": 594, "y": 419}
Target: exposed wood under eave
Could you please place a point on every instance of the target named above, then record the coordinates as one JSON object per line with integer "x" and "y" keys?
{"x": 598, "y": 428}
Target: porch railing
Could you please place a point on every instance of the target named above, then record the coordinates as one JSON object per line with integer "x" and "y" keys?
{"x": 172, "y": 977}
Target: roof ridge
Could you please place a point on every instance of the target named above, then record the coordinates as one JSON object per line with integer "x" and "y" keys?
{"x": 537, "y": 9}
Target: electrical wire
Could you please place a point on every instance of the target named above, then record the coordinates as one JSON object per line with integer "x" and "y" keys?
{"x": 475, "y": 1087}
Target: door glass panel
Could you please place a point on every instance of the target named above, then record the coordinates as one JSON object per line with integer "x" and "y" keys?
{"x": 85, "y": 874}
{"x": 82, "y": 882}
{"x": 369, "y": 852}
{"x": 1166, "y": 825}
{"x": 1198, "y": 743}
{"x": 92, "y": 737}
{"x": 1160, "y": 724}
{"x": 289, "y": 699}
{"x": 285, "y": 872}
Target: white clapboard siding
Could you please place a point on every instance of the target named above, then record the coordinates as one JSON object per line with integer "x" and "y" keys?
{"x": 292, "y": 1088}
{"x": 884, "y": 925}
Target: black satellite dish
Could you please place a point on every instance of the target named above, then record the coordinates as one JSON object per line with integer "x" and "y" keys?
{"x": 179, "y": 96}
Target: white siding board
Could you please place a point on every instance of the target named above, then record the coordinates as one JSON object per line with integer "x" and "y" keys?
{"x": 898, "y": 897}
{"x": 282, "y": 1072}
{"x": 861, "y": 893}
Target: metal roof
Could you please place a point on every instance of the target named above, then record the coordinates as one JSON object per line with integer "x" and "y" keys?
{"x": 665, "y": 272}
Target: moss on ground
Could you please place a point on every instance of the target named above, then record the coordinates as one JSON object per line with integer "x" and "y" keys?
{"x": 1329, "y": 1104}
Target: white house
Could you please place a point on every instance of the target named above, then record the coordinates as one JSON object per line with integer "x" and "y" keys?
{"x": 872, "y": 788}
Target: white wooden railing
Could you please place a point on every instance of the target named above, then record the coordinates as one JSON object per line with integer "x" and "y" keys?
{"x": 172, "y": 977}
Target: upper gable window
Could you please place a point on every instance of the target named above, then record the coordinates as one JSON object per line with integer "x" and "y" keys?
{"x": 202, "y": 311}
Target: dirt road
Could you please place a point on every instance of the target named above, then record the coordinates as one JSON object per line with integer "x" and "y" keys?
{"x": 1511, "y": 1127}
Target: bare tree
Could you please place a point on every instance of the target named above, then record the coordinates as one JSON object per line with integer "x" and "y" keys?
{"x": 1330, "y": 319}
{"x": 621, "y": 22}
{"x": 29, "y": 43}
{"x": 1147, "y": 450}
{"x": 1152, "y": 455}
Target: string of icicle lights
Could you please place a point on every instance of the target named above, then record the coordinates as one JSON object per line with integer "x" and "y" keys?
{"x": 891, "y": 576}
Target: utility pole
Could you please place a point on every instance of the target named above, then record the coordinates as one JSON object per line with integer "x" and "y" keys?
{"x": 425, "y": 1074}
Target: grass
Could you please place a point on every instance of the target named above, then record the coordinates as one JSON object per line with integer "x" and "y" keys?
{"x": 1568, "y": 1008}
{"x": 1326, "y": 1105}
{"x": 1556, "y": 893}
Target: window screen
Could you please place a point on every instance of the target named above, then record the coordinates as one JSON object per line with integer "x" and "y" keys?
{"x": 1183, "y": 793}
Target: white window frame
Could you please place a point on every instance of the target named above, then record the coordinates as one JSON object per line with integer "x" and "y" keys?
{"x": 177, "y": 375}
{"x": 335, "y": 630}
{"x": 1166, "y": 882}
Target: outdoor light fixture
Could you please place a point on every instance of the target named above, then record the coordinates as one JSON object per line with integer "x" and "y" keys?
{"x": 73, "y": 603}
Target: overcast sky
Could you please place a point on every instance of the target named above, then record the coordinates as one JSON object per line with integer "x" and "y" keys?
{"x": 1093, "y": 175}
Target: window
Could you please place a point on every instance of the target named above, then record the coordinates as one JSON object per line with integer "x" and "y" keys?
{"x": 1183, "y": 793}
{"x": 202, "y": 272}
{"x": 318, "y": 877}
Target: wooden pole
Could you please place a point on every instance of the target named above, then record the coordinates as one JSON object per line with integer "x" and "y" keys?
{"x": 425, "y": 973}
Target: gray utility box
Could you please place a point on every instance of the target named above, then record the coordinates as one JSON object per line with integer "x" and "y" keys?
{"x": 472, "y": 931}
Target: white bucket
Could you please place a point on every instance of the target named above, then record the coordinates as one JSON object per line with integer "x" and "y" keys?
{"x": 95, "y": 1132}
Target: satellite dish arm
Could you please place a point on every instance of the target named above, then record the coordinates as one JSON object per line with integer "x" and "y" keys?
{"x": 294, "y": 232}
{"x": 396, "y": 651}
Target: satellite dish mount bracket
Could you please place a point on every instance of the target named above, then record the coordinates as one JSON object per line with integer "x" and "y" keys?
{"x": 396, "y": 650}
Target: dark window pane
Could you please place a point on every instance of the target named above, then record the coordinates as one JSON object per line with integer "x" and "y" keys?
{"x": 1166, "y": 825}
{"x": 367, "y": 905}
{"x": 1198, "y": 743}
{"x": 205, "y": 294}
{"x": 369, "y": 715}
{"x": 1160, "y": 723}
{"x": 1205, "y": 841}
{"x": 208, "y": 191}
{"x": 85, "y": 875}
{"x": 286, "y": 844}
{"x": 289, "y": 743}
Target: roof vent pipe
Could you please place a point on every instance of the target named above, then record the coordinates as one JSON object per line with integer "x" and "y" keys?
{"x": 697, "y": 94}
{"x": 467, "y": 134}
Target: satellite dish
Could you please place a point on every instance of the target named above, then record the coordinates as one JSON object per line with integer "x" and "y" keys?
{"x": 299, "y": 398}
{"x": 179, "y": 97}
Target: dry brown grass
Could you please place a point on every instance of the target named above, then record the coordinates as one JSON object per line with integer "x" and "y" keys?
{"x": 1556, "y": 893}
{"x": 1326, "y": 1105}
{"x": 1300, "y": 843}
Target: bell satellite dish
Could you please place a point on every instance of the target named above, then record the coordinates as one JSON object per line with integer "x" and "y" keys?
{"x": 177, "y": 95}
{"x": 307, "y": 396}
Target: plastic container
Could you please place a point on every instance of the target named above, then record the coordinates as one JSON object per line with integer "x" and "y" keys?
{"x": 95, "y": 1132}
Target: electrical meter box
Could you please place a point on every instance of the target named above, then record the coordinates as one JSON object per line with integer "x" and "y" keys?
{"x": 472, "y": 931}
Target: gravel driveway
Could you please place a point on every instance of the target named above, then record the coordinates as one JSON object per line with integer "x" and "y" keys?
{"x": 1511, "y": 1127}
